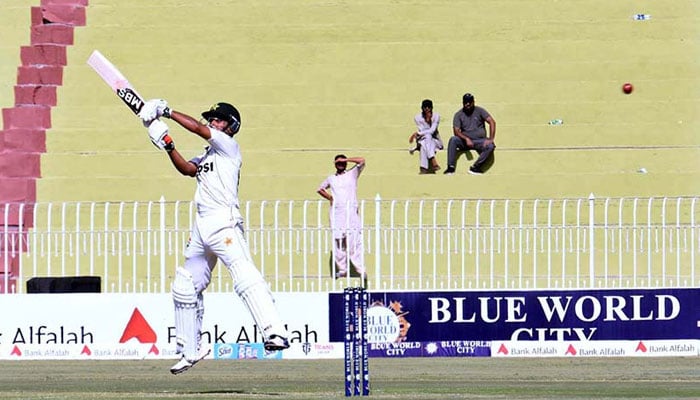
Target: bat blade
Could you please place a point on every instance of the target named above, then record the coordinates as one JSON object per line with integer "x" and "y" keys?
{"x": 116, "y": 80}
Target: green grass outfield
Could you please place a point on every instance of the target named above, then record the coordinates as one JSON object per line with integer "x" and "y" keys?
{"x": 412, "y": 378}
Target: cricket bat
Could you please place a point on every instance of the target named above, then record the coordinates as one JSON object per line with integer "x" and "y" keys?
{"x": 116, "y": 80}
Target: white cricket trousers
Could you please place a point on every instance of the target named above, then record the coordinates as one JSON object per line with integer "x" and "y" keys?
{"x": 220, "y": 236}
{"x": 347, "y": 239}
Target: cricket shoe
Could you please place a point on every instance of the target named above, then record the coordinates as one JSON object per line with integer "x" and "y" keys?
{"x": 184, "y": 364}
{"x": 276, "y": 342}
{"x": 475, "y": 171}
{"x": 340, "y": 275}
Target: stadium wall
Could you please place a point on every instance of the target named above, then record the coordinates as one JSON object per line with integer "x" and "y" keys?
{"x": 24, "y": 125}
{"x": 617, "y": 323}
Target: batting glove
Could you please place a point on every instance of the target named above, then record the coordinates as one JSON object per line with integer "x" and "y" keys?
{"x": 158, "y": 133}
{"x": 153, "y": 109}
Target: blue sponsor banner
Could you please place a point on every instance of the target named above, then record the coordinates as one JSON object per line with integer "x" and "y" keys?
{"x": 243, "y": 351}
{"x": 452, "y": 348}
{"x": 558, "y": 315}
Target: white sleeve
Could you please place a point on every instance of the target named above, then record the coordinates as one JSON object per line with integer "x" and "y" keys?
{"x": 222, "y": 142}
{"x": 198, "y": 159}
{"x": 418, "y": 120}
{"x": 325, "y": 184}
{"x": 358, "y": 169}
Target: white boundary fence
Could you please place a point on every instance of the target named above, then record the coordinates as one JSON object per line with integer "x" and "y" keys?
{"x": 409, "y": 244}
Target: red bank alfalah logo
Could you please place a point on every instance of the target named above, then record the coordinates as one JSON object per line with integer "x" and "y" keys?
{"x": 141, "y": 330}
{"x": 138, "y": 328}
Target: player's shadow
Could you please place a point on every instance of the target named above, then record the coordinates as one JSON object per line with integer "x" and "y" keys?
{"x": 471, "y": 155}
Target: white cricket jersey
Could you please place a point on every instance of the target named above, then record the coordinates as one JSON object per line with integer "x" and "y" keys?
{"x": 218, "y": 172}
{"x": 344, "y": 214}
{"x": 344, "y": 186}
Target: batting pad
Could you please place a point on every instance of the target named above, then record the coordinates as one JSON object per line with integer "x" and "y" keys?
{"x": 185, "y": 299}
{"x": 200, "y": 318}
{"x": 252, "y": 289}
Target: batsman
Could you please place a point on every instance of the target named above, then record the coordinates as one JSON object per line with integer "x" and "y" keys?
{"x": 217, "y": 231}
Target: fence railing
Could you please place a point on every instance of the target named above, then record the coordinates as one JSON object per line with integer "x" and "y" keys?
{"x": 409, "y": 244}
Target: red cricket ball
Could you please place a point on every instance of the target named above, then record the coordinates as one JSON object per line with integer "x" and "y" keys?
{"x": 627, "y": 88}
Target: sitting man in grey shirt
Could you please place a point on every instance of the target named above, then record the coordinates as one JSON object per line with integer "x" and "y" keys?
{"x": 470, "y": 134}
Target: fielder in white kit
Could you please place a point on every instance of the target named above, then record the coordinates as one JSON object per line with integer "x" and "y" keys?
{"x": 217, "y": 232}
{"x": 345, "y": 216}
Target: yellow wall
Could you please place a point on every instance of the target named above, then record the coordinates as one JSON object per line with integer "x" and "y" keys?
{"x": 315, "y": 78}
